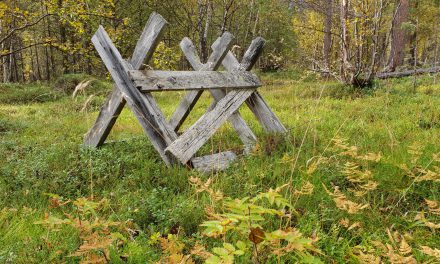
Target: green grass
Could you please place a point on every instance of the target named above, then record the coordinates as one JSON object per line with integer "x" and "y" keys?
{"x": 41, "y": 131}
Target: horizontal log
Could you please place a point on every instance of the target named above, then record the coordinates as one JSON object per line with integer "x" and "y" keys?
{"x": 153, "y": 81}
{"x": 213, "y": 163}
{"x": 386, "y": 75}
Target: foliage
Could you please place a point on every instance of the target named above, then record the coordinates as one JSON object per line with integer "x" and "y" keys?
{"x": 377, "y": 148}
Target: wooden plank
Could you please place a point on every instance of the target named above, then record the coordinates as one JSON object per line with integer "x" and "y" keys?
{"x": 238, "y": 123}
{"x": 185, "y": 106}
{"x": 114, "y": 104}
{"x": 108, "y": 114}
{"x": 152, "y": 121}
{"x": 197, "y": 135}
{"x": 244, "y": 132}
{"x": 267, "y": 118}
{"x": 148, "y": 41}
{"x": 214, "y": 163}
{"x": 153, "y": 81}
{"x": 190, "y": 99}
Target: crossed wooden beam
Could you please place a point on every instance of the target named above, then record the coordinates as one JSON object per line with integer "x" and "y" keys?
{"x": 229, "y": 89}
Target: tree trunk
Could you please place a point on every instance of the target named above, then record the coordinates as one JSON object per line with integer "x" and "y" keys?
{"x": 63, "y": 40}
{"x": 346, "y": 67}
{"x": 398, "y": 35}
{"x": 328, "y": 34}
{"x": 37, "y": 60}
{"x": 413, "y": 48}
{"x": 206, "y": 29}
{"x": 203, "y": 7}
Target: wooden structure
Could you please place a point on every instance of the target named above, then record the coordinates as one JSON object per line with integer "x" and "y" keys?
{"x": 230, "y": 90}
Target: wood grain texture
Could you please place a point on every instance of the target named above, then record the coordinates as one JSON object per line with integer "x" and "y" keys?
{"x": 190, "y": 99}
{"x": 143, "y": 107}
{"x": 214, "y": 163}
{"x": 197, "y": 135}
{"x": 239, "y": 124}
{"x": 114, "y": 104}
{"x": 153, "y": 81}
{"x": 266, "y": 117}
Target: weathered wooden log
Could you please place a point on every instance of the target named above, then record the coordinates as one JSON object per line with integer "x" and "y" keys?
{"x": 197, "y": 135}
{"x": 238, "y": 123}
{"x": 154, "y": 81}
{"x": 387, "y": 75}
{"x": 114, "y": 104}
{"x": 213, "y": 163}
{"x": 190, "y": 99}
{"x": 267, "y": 118}
{"x": 144, "y": 108}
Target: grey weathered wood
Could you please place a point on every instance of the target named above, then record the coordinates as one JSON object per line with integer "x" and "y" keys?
{"x": 267, "y": 118}
{"x": 244, "y": 132}
{"x": 185, "y": 106}
{"x": 108, "y": 114}
{"x": 213, "y": 163}
{"x": 190, "y": 99}
{"x": 148, "y": 41}
{"x": 114, "y": 104}
{"x": 197, "y": 135}
{"x": 238, "y": 123}
{"x": 386, "y": 75}
{"x": 144, "y": 108}
{"x": 151, "y": 81}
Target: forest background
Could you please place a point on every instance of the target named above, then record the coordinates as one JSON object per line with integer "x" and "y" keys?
{"x": 351, "y": 41}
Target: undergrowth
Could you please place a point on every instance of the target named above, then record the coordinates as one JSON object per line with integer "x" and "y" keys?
{"x": 356, "y": 180}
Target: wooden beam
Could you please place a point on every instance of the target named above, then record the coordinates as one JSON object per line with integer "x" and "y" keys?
{"x": 190, "y": 99}
{"x": 214, "y": 163}
{"x": 239, "y": 124}
{"x": 154, "y": 81}
{"x": 114, "y": 104}
{"x": 150, "y": 118}
{"x": 267, "y": 118}
{"x": 197, "y": 135}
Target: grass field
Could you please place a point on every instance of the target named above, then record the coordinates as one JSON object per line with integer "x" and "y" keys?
{"x": 362, "y": 170}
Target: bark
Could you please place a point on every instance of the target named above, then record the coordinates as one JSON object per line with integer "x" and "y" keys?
{"x": 204, "y": 13}
{"x": 63, "y": 40}
{"x": 206, "y": 30}
{"x": 346, "y": 67}
{"x": 387, "y": 75}
{"x": 37, "y": 60}
{"x": 328, "y": 34}
{"x": 398, "y": 35}
{"x": 413, "y": 49}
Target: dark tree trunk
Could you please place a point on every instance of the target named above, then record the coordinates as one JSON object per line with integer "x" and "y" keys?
{"x": 202, "y": 8}
{"x": 63, "y": 40}
{"x": 398, "y": 35}
{"x": 328, "y": 33}
{"x": 37, "y": 60}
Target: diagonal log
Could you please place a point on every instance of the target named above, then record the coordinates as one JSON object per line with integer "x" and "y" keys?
{"x": 239, "y": 124}
{"x": 190, "y": 99}
{"x": 114, "y": 104}
{"x": 197, "y": 135}
{"x": 267, "y": 118}
{"x": 143, "y": 107}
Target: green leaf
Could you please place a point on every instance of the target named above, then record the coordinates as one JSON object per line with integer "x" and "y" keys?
{"x": 213, "y": 260}
{"x": 229, "y": 247}
{"x": 220, "y": 251}
{"x": 241, "y": 245}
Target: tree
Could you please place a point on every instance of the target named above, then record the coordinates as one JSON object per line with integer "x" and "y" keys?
{"x": 328, "y": 24}
{"x": 399, "y": 37}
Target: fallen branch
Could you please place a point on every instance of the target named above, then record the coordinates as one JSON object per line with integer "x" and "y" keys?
{"x": 386, "y": 75}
